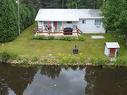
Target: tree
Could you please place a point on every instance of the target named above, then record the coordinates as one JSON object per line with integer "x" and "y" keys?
{"x": 115, "y": 16}
{"x": 90, "y": 4}
{"x": 8, "y": 19}
{"x": 72, "y": 3}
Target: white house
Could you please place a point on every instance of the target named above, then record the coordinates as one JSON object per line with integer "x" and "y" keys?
{"x": 56, "y": 21}
{"x": 111, "y": 49}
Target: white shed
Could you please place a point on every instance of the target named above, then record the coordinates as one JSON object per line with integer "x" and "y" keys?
{"x": 111, "y": 49}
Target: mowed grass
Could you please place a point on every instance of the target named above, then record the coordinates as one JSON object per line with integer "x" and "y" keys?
{"x": 24, "y": 45}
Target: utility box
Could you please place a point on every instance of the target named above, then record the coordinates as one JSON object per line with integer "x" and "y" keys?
{"x": 111, "y": 49}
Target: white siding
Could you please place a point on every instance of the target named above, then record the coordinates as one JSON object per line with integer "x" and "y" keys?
{"x": 107, "y": 51}
{"x": 90, "y": 27}
{"x": 40, "y": 24}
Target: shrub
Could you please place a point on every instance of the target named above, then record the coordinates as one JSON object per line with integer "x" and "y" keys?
{"x": 65, "y": 38}
{"x": 35, "y": 59}
{"x": 68, "y": 38}
{"x": 81, "y": 38}
{"x": 120, "y": 61}
{"x": 39, "y": 38}
{"x": 5, "y": 57}
{"x": 50, "y": 37}
{"x": 99, "y": 61}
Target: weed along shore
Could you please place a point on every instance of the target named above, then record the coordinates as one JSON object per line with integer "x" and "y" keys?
{"x": 78, "y": 59}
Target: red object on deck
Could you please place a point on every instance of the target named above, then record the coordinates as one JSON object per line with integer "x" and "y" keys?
{"x": 49, "y": 24}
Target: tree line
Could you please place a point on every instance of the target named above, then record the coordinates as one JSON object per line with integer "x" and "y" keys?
{"x": 9, "y": 18}
{"x": 91, "y": 4}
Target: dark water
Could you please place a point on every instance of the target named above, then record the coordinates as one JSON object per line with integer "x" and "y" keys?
{"x": 62, "y": 80}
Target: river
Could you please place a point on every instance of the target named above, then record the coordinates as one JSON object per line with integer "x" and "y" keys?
{"x": 62, "y": 80}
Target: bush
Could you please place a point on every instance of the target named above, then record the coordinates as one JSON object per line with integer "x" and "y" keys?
{"x": 81, "y": 38}
{"x": 35, "y": 59}
{"x": 51, "y": 38}
{"x": 65, "y": 38}
{"x": 120, "y": 61}
{"x": 99, "y": 61}
{"x": 68, "y": 38}
{"x": 39, "y": 38}
{"x": 5, "y": 57}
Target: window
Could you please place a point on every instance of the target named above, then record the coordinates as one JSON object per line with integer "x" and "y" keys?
{"x": 98, "y": 22}
{"x": 83, "y": 21}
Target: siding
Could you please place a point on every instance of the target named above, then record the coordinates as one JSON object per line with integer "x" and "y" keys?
{"x": 90, "y": 27}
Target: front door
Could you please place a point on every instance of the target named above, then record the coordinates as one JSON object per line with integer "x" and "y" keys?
{"x": 59, "y": 25}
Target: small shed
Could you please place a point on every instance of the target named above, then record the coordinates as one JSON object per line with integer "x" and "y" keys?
{"x": 111, "y": 49}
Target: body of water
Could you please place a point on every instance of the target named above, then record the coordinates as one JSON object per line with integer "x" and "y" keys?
{"x": 62, "y": 80}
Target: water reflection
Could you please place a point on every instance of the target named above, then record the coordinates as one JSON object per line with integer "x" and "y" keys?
{"x": 106, "y": 81}
{"x": 62, "y": 80}
{"x": 51, "y": 71}
{"x": 14, "y": 80}
{"x": 69, "y": 82}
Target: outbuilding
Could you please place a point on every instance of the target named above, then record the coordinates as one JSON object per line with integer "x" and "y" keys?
{"x": 111, "y": 49}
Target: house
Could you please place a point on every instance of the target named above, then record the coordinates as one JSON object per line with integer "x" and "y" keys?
{"x": 71, "y": 21}
{"x": 111, "y": 49}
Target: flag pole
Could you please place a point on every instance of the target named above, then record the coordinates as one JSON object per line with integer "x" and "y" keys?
{"x": 18, "y": 3}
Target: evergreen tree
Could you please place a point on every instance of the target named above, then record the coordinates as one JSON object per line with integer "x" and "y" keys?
{"x": 9, "y": 19}
{"x": 89, "y": 4}
{"x": 115, "y": 16}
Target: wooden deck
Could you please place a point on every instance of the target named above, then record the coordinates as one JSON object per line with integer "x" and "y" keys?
{"x": 60, "y": 33}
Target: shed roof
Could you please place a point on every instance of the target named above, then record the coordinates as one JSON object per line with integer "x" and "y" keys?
{"x": 66, "y": 14}
{"x": 112, "y": 45}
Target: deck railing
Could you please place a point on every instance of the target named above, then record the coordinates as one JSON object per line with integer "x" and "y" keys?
{"x": 76, "y": 31}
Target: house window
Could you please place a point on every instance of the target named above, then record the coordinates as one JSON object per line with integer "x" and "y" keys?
{"x": 83, "y": 21}
{"x": 97, "y": 22}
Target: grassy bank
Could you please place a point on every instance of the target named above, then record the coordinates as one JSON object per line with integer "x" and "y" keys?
{"x": 60, "y": 51}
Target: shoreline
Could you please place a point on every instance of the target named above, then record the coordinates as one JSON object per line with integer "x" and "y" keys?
{"x": 70, "y": 59}
{"x": 109, "y": 65}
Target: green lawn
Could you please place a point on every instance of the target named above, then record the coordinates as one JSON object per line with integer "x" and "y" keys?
{"x": 25, "y": 46}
